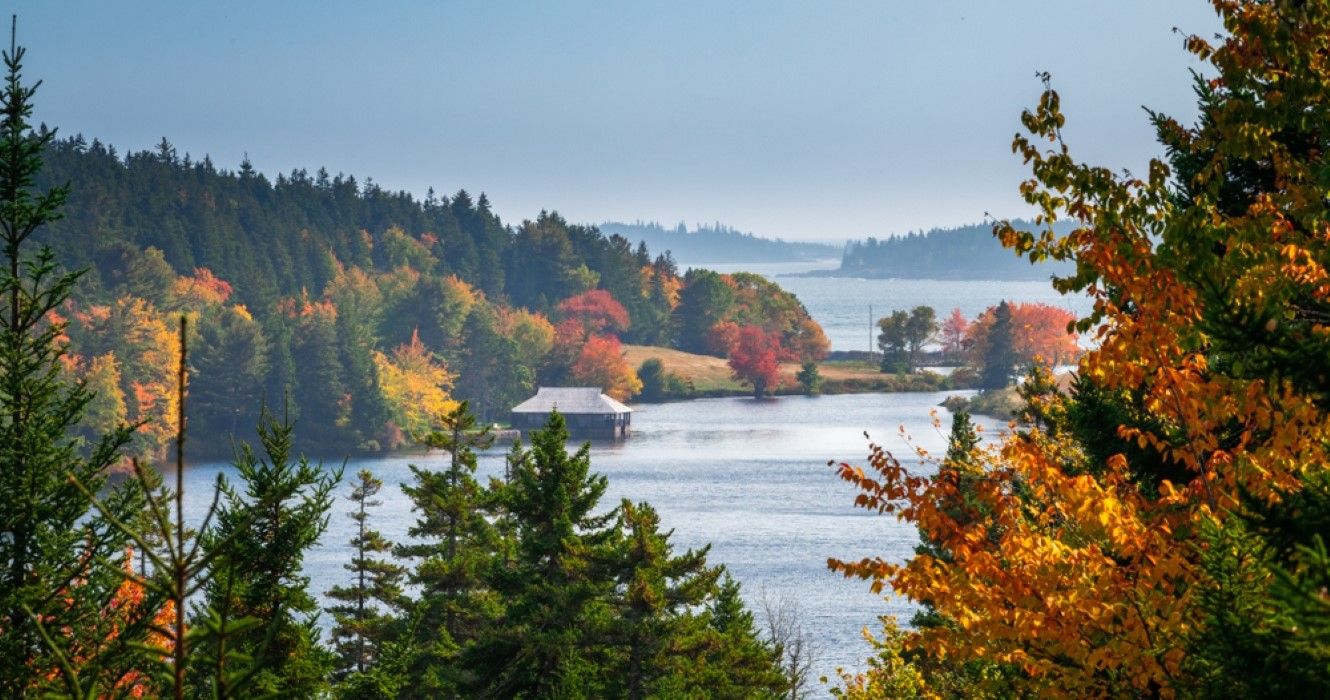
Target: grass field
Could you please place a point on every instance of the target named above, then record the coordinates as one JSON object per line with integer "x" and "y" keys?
{"x": 710, "y": 376}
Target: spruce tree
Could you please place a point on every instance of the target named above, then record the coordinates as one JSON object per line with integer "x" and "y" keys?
{"x": 550, "y": 638}
{"x": 50, "y": 543}
{"x": 264, "y": 528}
{"x": 364, "y": 611}
{"x": 736, "y": 662}
{"x": 654, "y": 626}
{"x": 1000, "y": 355}
{"x": 455, "y": 543}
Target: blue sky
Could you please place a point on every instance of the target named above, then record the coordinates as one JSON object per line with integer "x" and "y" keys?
{"x": 794, "y": 119}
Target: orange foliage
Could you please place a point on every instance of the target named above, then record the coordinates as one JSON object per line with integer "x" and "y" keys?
{"x": 722, "y": 338}
{"x": 1072, "y": 571}
{"x": 601, "y": 364}
{"x": 1039, "y": 331}
{"x": 597, "y": 311}
{"x": 202, "y": 289}
{"x": 753, "y": 359}
{"x": 953, "y": 333}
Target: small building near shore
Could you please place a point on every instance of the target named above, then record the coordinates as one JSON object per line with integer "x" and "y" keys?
{"x": 587, "y": 411}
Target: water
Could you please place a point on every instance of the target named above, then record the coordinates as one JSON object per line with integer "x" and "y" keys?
{"x": 749, "y": 477}
{"x": 841, "y": 304}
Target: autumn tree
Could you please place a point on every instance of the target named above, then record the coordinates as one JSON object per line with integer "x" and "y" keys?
{"x": 1040, "y": 333}
{"x": 1152, "y": 535}
{"x": 597, "y": 311}
{"x": 601, "y": 364}
{"x": 753, "y": 360}
{"x": 415, "y": 386}
{"x": 952, "y": 334}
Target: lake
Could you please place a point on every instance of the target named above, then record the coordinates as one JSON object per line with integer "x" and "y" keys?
{"x": 749, "y": 477}
{"x": 841, "y": 304}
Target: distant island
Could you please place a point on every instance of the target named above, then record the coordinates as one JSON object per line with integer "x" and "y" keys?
{"x": 718, "y": 243}
{"x": 963, "y": 253}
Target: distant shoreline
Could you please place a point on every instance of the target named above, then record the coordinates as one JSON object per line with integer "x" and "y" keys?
{"x": 960, "y": 276}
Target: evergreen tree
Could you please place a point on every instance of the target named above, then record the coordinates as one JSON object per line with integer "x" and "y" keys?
{"x": 364, "y": 609}
{"x": 263, "y": 532}
{"x": 656, "y": 631}
{"x": 1000, "y": 355}
{"x": 230, "y": 364}
{"x": 810, "y": 379}
{"x": 455, "y": 544}
{"x": 703, "y": 303}
{"x": 550, "y": 639}
{"x": 736, "y": 663}
{"x": 50, "y": 543}
{"x": 490, "y": 375}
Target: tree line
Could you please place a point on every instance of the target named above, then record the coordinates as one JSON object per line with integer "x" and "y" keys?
{"x": 961, "y": 253}
{"x": 1158, "y": 529}
{"x": 524, "y": 587}
{"x": 364, "y": 311}
{"x": 993, "y": 348}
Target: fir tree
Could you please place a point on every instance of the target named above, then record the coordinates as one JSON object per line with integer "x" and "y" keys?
{"x": 810, "y": 379}
{"x": 1000, "y": 355}
{"x": 49, "y": 542}
{"x": 455, "y": 544}
{"x": 550, "y": 637}
{"x": 263, "y": 532}
{"x": 364, "y": 610}
{"x": 654, "y": 626}
{"x": 735, "y": 662}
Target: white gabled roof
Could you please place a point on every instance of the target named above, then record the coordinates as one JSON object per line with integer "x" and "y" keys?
{"x": 570, "y": 400}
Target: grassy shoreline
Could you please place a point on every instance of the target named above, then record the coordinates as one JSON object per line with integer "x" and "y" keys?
{"x": 710, "y": 377}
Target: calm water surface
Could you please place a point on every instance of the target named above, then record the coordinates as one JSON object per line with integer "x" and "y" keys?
{"x": 840, "y": 304}
{"x": 749, "y": 477}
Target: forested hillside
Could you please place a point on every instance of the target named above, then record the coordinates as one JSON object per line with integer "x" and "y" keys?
{"x": 718, "y": 243}
{"x": 963, "y": 253}
{"x": 367, "y": 312}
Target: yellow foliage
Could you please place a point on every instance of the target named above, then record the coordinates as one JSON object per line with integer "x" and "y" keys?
{"x": 1081, "y": 578}
{"x": 415, "y": 386}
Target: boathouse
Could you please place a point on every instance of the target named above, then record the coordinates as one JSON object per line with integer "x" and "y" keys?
{"x": 588, "y": 412}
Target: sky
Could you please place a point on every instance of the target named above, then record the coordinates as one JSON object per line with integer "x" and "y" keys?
{"x": 807, "y": 121}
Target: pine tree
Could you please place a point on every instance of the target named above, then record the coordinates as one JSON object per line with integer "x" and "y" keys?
{"x": 50, "y": 543}
{"x": 455, "y": 543}
{"x": 654, "y": 625}
{"x": 1000, "y": 355}
{"x": 736, "y": 662}
{"x": 365, "y": 609}
{"x": 550, "y": 637}
{"x": 810, "y": 379}
{"x": 263, "y": 530}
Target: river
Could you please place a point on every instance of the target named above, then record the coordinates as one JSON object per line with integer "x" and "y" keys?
{"x": 842, "y": 304}
{"x": 749, "y": 477}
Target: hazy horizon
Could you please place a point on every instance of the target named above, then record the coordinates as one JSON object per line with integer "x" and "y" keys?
{"x": 807, "y": 123}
